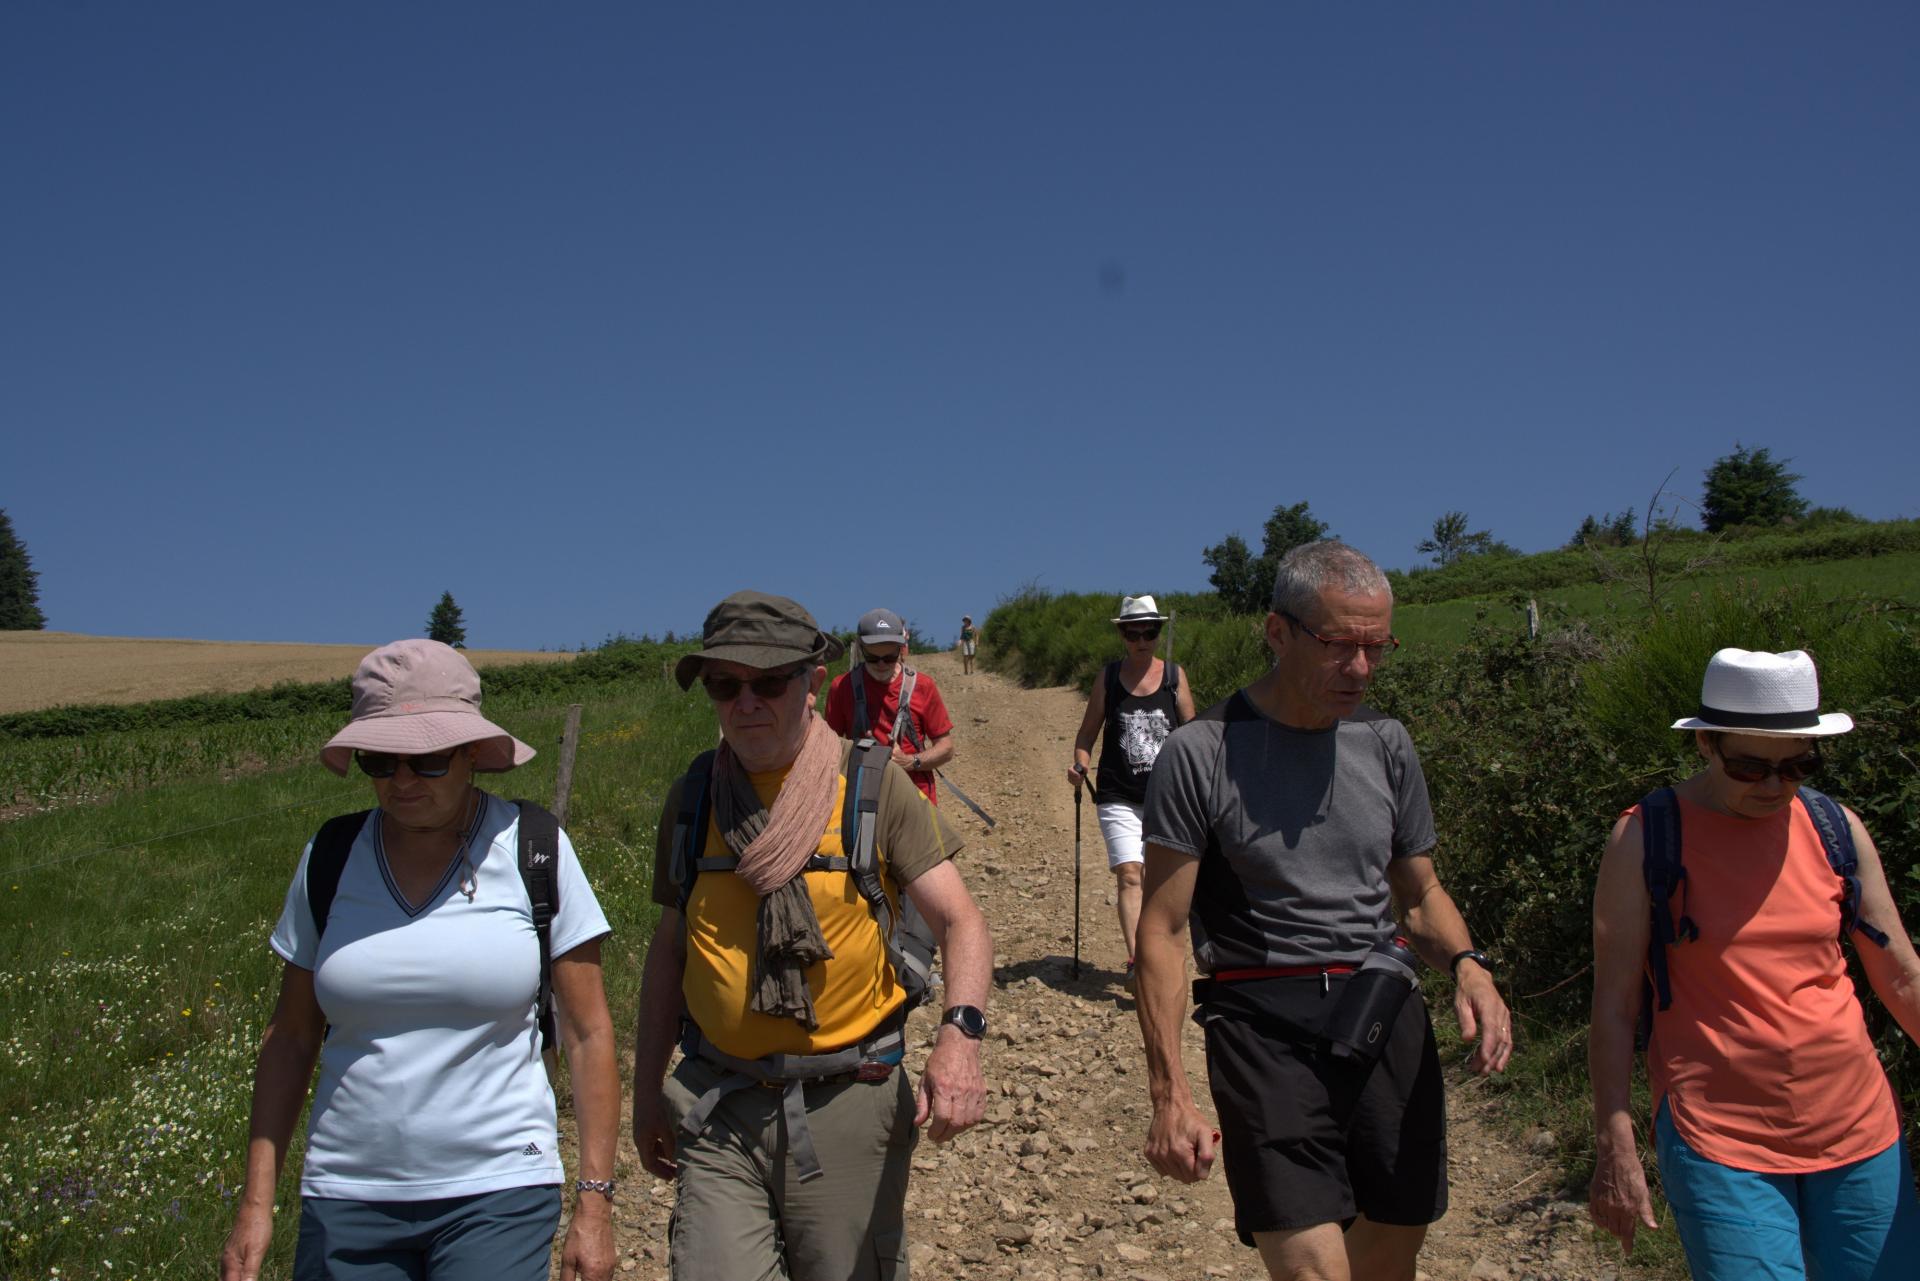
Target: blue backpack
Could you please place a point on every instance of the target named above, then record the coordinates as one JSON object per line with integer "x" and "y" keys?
{"x": 1660, "y": 868}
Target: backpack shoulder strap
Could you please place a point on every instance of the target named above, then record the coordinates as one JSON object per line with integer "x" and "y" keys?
{"x": 1661, "y": 869}
{"x": 539, "y": 872}
{"x": 331, "y": 845}
{"x": 908, "y": 942}
{"x": 1172, "y": 681}
{"x": 857, "y": 677}
{"x": 1836, "y": 837}
{"x": 690, "y": 825}
{"x": 904, "y": 730}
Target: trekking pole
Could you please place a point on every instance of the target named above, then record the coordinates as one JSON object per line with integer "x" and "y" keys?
{"x": 1078, "y": 792}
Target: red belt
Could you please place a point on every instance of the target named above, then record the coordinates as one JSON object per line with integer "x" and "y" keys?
{"x": 1279, "y": 972}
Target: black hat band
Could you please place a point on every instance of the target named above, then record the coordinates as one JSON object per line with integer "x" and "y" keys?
{"x": 1761, "y": 720}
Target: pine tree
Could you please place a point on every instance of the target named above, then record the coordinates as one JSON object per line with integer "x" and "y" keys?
{"x": 1748, "y": 487}
{"x": 446, "y": 625}
{"x": 19, "y": 584}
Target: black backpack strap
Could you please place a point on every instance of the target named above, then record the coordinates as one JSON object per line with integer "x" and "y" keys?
{"x": 690, "y": 825}
{"x": 1661, "y": 868}
{"x": 540, "y": 873}
{"x": 857, "y": 677}
{"x": 1172, "y": 680}
{"x": 1836, "y": 837}
{"x": 331, "y": 845}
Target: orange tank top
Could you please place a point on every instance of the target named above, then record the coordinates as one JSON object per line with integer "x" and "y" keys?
{"x": 1764, "y": 1057}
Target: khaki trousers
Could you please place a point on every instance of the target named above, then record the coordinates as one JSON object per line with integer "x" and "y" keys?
{"x": 741, "y": 1212}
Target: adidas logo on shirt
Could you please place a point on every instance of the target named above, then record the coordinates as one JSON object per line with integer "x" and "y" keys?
{"x": 532, "y": 1149}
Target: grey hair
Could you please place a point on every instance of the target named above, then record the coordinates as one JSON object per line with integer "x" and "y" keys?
{"x": 1311, "y": 568}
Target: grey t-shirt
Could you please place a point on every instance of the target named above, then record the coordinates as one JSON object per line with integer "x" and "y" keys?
{"x": 1293, "y": 829}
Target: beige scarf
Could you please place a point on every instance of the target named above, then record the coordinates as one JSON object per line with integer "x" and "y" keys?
{"x": 772, "y": 848}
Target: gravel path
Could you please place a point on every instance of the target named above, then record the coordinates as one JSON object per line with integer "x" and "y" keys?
{"x": 1053, "y": 1186}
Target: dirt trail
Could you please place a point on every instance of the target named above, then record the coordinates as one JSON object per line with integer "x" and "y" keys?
{"x": 1053, "y": 1186}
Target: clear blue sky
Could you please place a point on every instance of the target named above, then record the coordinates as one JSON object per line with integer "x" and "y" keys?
{"x": 592, "y": 313}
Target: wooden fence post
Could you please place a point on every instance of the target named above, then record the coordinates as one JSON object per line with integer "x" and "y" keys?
{"x": 563, "y": 783}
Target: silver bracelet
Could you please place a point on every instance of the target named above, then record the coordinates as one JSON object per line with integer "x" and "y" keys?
{"x": 603, "y": 1186}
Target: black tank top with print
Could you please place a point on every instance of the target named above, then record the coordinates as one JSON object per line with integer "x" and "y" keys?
{"x": 1136, "y": 726}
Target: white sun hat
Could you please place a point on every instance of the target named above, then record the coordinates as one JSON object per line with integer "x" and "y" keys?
{"x": 1139, "y": 609}
{"x": 1749, "y": 692}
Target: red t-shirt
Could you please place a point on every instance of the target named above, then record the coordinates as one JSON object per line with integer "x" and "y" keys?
{"x": 929, "y": 713}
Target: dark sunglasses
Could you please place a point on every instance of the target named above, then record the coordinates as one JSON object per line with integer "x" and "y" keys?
{"x": 724, "y": 689}
{"x": 1141, "y": 633}
{"x": 1748, "y": 769}
{"x": 383, "y": 764}
{"x": 882, "y": 660}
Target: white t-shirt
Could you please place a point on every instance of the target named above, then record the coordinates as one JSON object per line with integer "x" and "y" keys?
{"x": 431, "y": 1083}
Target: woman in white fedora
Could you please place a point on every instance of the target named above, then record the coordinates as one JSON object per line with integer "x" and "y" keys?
{"x": 432, "y": 1150}
{"x": 1720, "y": 911}
{"x": 1136, "y": 702}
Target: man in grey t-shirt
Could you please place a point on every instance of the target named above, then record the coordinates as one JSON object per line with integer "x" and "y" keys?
{"x": 1284, "y": 826}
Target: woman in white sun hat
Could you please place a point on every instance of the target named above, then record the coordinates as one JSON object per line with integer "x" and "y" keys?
{"x": 1136, "y": 702}
{"x": 1778, "y": 1135}
{"x": 411, "y": 951}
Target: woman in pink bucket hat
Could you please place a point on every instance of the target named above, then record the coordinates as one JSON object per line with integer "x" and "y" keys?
{"x": 414, "y": 976}
{"x": 1723, "y": 906}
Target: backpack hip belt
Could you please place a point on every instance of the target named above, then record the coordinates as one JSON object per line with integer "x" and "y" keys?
{"x": 791, "y": 1074}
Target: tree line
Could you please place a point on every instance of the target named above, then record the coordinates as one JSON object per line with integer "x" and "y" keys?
{"x": 1748, "y": 488}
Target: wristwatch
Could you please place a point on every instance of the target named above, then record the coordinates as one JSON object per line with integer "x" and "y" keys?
{"x": 1471, "y": 954}
{"x": 971, "y": 1022}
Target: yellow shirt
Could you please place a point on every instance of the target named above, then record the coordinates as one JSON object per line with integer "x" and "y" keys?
{"x": 854, "y": 991}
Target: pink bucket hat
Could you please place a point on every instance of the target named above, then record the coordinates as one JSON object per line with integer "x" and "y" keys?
{"x": 416, "y": 697}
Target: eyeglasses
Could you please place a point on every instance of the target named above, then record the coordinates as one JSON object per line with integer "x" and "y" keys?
{"x": 383, "y": 764}
{"x": 1140, "y": 633}
{"x": 882, "y": 660}
{"x": 1751, "y": 769}
{"x": 724, "y": 689}
{"x": 1343, "y": 648}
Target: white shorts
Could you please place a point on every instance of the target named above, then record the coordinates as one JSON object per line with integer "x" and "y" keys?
{"x": 1120, "y": 829}
{"x": 966, "y": 647}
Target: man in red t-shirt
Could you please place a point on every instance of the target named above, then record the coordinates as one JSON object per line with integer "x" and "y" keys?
{"x": 928, "y": 738}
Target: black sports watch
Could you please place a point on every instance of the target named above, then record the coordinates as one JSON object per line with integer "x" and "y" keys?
{"x": 971, "y": 1022}
{"x": 1471, "y": 954}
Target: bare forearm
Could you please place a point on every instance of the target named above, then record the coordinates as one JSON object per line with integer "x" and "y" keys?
{"x": 1610, "y": 1069}
{"x": 1435, "y": 927}
{"x": 657, "y": 1026}
{"x": 596, "y": 1099}
{"x": 1160, "y": 981}
{"x": 281, "y": 1077}
{"x": 967, "y": 961}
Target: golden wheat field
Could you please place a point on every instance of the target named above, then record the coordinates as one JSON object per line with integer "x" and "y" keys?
{"x": 49, "y": 669}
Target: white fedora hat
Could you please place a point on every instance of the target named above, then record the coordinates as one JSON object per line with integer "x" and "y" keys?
{"x": 1139, "y": 609}
{"x": 1749, "y": 692}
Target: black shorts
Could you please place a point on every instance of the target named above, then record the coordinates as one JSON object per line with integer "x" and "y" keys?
{"x": 1307, "y": 1138}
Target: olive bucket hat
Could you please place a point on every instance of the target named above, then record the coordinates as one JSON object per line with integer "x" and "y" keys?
{"x": 417, "y": 697}
{"x": 758, "y": 630}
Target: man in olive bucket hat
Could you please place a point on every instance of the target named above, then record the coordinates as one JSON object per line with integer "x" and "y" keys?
{"x": 788, "y": 1124}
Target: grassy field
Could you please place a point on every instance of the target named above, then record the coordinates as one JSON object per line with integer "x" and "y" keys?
{"x": 135, "y": 977}
{"x": 1895, "y": 576}
{"x": 51, "y": 669}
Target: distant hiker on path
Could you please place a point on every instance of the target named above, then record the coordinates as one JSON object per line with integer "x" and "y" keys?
{"x": 969, "y": 643}
{"x": 413, "y": 950}
{"x": 1285, "y": 824}
{"x": 1778, "y": 1135}
{"x": 866, "y": 701}
{"x": 1136, "y": 702}
{"x": 788, "y": 1125}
